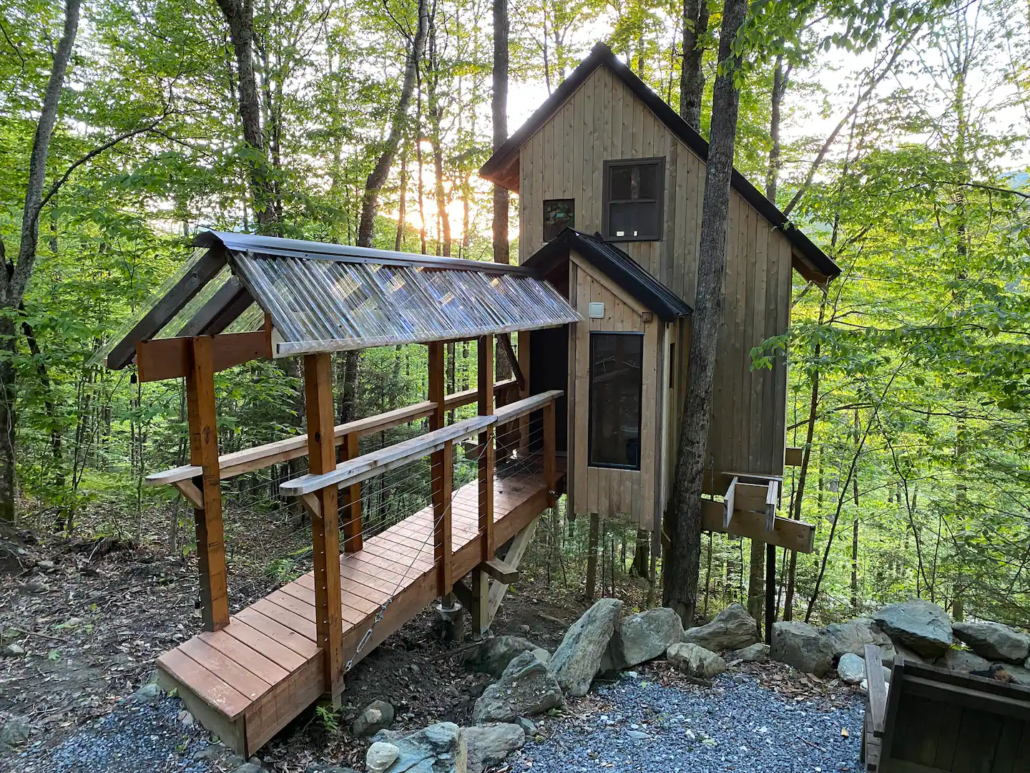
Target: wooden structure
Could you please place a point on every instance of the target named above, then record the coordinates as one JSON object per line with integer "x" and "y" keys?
{"x": 611, "y": 184}
{"x": 934, "y": 721}
{"x": 248, "y": 674}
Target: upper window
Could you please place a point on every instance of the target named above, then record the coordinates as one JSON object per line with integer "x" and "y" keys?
{"x": 633, "y": 192}
{"x": 558, "y": 215}
{"x": 616, "y": 381}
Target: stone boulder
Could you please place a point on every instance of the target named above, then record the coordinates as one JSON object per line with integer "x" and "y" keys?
{"x": 495, "y": 653}
{"x": 962, "y": 661}
{"x": 695, "y": 661}
{"x": 381, "y": 756}
{"x": 802, "y": 646}
{"x": 1019, "y": 674}
{"x": 525, "y": 688}
{"x": 430, "y": 750}
{"x": 918, "y": 624}
{"x": 756, "y": 653}
{"x": 994, "y": 641}
{"x": 15, "y": 732}
{"x": 732, "y": 629}
{"x": 484, "y": 746}
{"x": 378, "y": 715}
{"x": 853, "y": 635}
{"x": 852, "y": 669}
{"x": 901, "y": 652}
{"x": 643, "y": 637}
{"x": 578, "y": 658}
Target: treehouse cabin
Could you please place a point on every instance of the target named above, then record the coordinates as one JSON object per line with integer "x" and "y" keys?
{"x": 611, "y": 183}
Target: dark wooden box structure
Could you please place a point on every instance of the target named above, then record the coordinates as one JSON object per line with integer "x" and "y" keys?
{"x": 931, "y": 720}
{"x": 249, "y": 674}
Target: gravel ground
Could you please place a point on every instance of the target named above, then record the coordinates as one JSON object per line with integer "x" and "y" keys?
{"x": 737, "y": 725}
{"x": 131, "y": 739}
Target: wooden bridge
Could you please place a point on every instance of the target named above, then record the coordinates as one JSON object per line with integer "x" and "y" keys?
{"x": 249, "y": 674}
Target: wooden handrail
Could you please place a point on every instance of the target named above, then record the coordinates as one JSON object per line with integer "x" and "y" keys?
{"x": 385, "y": 459}
{"x": 259, "y": 457}
{"x": 389, "y": 458}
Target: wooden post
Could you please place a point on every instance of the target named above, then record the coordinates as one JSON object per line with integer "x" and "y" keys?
{"x": 442, "y": 473}
{"x": 550, "y": 461}
{"x": 200, "y": 402}
{"x": 486, "y": 448}
{"x": 325, "y": 530}
{"x": 351, "y": 502}
{"x": 770, "y": 591}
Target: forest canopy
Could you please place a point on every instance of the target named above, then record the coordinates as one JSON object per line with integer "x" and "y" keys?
{"x": 896, "y": 139}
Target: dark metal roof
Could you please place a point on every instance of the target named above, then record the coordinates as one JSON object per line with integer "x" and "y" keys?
{"x": 818, "y": 261}
{"x": 616, "y": 265}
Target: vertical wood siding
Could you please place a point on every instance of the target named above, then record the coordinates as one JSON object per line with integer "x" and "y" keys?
{"x": 604, "y": 120}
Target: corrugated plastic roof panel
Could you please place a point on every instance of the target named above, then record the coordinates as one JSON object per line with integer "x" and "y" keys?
{"x": 325, "y": 305}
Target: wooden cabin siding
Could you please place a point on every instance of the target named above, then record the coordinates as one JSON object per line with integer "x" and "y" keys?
{"x": 605, "y": 491}
{"x": 604, "y": 120}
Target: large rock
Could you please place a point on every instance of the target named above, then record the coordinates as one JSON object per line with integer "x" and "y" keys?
{"x": 578, "y": 658}
{"x": 378, "y": 715}
{"x": 994, "y": 641}
{"x": 487, "y": 745}
{"x": 643, "y": 637}
{"x": 495, "y": 653}
{"x": 430, "y": 750}
{"x": 695, "y": 661}
{"x": 381, "y": 756}
{"x": 732, "y": 629}
{"x": 756, "y": 653}
{"x": 854, "y": 635}
{"x": 901, "y": 652}
{"x": 1019, "y": 674}
{"x": 802, "y": 646}
{"x": 962, "y": 661}
{"x": 852, "y": 669}
{"x": 525, "y": 688}
{"x": 15, "y": 732}
{"x": 918, "y": 624}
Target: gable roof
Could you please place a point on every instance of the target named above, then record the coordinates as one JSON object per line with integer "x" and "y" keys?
{"x": 502, "y": 167}
{"x": 616, "y": 265}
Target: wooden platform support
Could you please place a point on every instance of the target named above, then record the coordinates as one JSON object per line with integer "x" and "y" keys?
{"x": 325, "y": 532}
{"x": 442, "y": 473}
{"x": 200, "y": 409}
{"x": 351, "y": 499}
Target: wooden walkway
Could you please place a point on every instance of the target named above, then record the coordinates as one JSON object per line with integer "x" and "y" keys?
{"x": 249, "y": 680}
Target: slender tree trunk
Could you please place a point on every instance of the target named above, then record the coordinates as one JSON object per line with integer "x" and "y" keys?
{"x": 398, "y": 242}
{"x": 692, "y": 78}
{"x": 377, "y": 177}
{"x": 854, "y": 527}
{"x": 499, "y": 107}
{"x": 14, "y": 279}
{"x": 239, "y": 14}
{"x": 681, "y": 573}
{"x": 778, "y": 90}
{"x": 435, "y": 116}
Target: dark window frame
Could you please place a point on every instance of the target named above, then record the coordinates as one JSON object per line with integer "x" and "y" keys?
{"x": 606, "y": 200}
{"x": 543, "y": 212}
{"x": 590, "y": 401}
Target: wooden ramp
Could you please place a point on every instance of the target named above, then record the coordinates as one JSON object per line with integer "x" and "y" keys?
{"x": 247, "y": 681}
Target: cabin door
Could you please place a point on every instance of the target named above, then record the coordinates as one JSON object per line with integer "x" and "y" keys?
{"x": 549, "y": 369}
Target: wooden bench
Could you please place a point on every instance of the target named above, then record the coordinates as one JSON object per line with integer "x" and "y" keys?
{"x": 929, "y": 720}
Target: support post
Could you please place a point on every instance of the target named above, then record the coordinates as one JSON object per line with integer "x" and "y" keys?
{"x": 442, "y": 472}
{"x": 550, "y": 458}
{"x": 325, "y": 531}
{"x": 351, "y": 501}
{"x": 200, "y": 404}
{"x": 770, "y": 591}
{"x": 480, "y": 610}
{"x": 486, "y": 448}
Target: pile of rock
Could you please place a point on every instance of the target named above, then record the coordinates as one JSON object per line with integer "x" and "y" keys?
{"x": 915, "y": 630}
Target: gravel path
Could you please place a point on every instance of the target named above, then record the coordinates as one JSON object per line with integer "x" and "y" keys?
{"x": 737, "y": 725}
{"x": 131, "y": 739}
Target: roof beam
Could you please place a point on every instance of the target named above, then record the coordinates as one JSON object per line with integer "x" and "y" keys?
{"x": 224, "y": 307}
{"x": 203, "y": 271}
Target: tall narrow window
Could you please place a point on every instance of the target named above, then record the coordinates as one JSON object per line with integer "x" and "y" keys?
{"x": 616, "y": 361}
{"x": 632, "y": 195}
{"x": 558, "y": 215}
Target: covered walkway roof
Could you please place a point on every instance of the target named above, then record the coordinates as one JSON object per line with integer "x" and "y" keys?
{"x": 326, "y": 297}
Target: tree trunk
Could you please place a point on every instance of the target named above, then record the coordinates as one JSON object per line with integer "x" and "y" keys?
{"x": 681, "y": 573}
{"x": 499, "y": 106}
{"x": 239, "y": 14}
{"x": 398, "y": 241}
{"x": 756, "y": 584}
{"x": 435, "y": 116}
{"x": 778, "y": 90}
{"x": 14, "y": 279}
{"x": 692, "y": 78}
{"x": 377, "y": 177}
